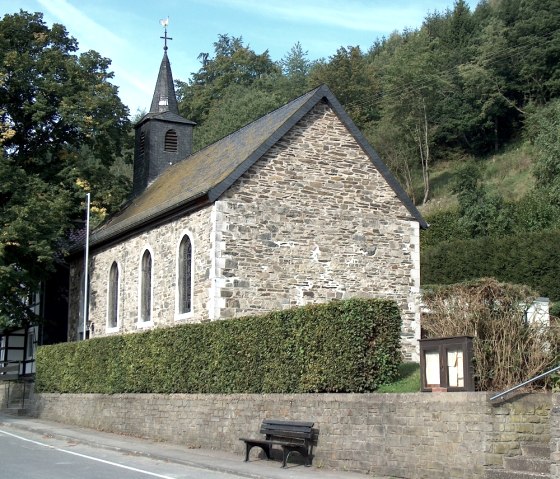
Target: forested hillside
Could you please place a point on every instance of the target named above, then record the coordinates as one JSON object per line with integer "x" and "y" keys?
{"x": 443, "y": 105}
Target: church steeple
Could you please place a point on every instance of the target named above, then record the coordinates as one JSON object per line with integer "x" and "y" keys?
{"x": 163, "y": 137}
{"x": 164, "y": 95}
{"x": 164, "y": 98}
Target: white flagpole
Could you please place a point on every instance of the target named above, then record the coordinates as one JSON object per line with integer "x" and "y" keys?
{"x": 86, "y": 268}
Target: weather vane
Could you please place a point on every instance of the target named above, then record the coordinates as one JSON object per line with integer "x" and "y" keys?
{"x": 164, "y": 22}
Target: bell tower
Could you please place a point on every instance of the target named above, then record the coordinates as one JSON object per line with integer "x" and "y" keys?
{"x": 162, "y": 136}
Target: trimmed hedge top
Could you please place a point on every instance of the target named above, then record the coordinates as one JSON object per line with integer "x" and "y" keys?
{"x": 343, "y": 346}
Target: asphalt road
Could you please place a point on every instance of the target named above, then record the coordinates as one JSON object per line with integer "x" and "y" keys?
{"x": 27, "y": 455}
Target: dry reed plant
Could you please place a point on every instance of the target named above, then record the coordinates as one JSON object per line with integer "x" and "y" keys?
{"x": 508, "y": 349}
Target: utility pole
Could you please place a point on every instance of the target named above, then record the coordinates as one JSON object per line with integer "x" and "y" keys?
{"x": 86, "y": 269}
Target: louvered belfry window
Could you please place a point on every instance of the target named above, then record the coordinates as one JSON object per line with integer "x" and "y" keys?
{"x": 185, "y": 275}
{"x": 142, "y": 143}
{"x": 170, "y": 143}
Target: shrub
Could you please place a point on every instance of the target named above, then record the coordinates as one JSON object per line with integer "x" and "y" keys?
{"x": 507, "y": 349}
{"x": 343, "y": 346}
{"x": 531, "y": 258}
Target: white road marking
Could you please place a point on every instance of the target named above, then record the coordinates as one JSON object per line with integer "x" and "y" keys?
{"x": 141, "y": 471}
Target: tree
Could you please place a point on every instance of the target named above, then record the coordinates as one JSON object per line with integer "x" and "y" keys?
{"x": 482, "y": 214}
{"x": 63, "y": 126}
{"x": 533, "y": 33}
{"x": 238, "y": 106}
{"x": 295, "y": 71}
{"x": 233, "y": 63}
{"x": 411, "y": 87}
{"x": 348, "y": 74}
{"x": 543, "y": 127}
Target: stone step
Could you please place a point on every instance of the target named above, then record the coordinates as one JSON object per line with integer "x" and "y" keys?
{"x": 496, "y": 473}
{"x": 535, "y": 449}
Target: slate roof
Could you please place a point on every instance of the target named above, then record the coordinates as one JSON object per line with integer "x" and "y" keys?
{"x": 204, "y": 176}
{"x": 164, "y": 89}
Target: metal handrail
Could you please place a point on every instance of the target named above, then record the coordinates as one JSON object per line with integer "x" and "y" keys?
{"x": 536, "y": 378}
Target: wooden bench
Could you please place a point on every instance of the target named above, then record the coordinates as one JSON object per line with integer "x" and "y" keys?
{"x": 291, "y": 436}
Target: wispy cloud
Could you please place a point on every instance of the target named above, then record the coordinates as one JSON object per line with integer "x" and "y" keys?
{"x": 93, "y": 35}
{"x": 351, "y": 14}
{"x": 90, "y": 32}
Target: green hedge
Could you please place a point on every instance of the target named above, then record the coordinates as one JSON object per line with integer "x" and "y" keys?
{"x": 343, "y": 346}
{"x": 444, "y": 226}
{"x": 532, "y": 259}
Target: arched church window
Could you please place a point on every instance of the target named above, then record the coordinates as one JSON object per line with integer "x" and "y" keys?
{"x": 184, "y": 276}
{"x": 146, "y": 287}
{"x": 170, "y": 143}
{"x": 113, "y": 297}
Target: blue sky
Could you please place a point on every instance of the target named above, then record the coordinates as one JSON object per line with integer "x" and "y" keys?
{"x": 128, "y": 31}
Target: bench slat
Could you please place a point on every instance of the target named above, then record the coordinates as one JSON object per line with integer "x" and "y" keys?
{"x": 278, "y": 422}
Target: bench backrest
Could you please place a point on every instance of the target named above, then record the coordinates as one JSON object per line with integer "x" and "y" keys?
{"x": 301, "y": 431}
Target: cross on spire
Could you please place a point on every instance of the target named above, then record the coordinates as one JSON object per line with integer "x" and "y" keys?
{"x": 164, "y": 24}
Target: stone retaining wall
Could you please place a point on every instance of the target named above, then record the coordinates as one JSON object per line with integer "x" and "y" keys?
{"x": 3, "y": 394}
{"x": 555, "y": 438}
{"x": 411, "y": 436}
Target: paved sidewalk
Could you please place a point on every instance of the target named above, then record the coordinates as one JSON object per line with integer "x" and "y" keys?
{"x": 203, "y": 458}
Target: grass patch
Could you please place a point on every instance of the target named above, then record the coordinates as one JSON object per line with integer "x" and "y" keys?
{"x": 507, "y": 173}
{"x": 408, "y": 382}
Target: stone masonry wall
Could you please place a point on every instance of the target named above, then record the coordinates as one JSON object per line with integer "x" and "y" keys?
{"x": 163, "y": 242}
{"x": 313, "y": 220}
{"x": 555, "y": 438}
{"x": 414, "y": 436}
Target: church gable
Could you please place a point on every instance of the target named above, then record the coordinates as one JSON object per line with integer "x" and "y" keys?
{"x": 315, "y": 220}
{"x": 319, "y": 157}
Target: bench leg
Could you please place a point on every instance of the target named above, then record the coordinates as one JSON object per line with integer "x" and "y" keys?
{"x": 264, "y": 447}
{"x": 287, "y": 450}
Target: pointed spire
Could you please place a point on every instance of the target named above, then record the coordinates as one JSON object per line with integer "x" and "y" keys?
{"x": 164, "y": 98}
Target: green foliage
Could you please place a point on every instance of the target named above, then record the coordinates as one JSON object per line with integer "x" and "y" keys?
{"x": 348, "y": 73}
{"x": 542, "y": 127}
{"x": 238, "y": 106}
{"x": 527, "y": 258}
{"x": 233, "y": 63}
{"x": 481, "y": 214}
{"x": 62, "y": 127}
{"x": 295, "y": 72}
{"x": 444, "y": 226}
{"x": 343, "y": 346}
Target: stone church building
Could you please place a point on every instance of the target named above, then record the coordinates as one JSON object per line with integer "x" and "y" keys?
{"x": 294, "y": 208}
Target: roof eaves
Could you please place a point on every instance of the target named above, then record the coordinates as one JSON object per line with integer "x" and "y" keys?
{"x": 141, "y": 220}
